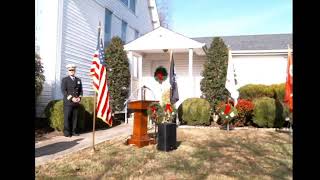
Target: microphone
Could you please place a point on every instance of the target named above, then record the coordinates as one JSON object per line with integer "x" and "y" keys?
{"x": 144, "y": 86}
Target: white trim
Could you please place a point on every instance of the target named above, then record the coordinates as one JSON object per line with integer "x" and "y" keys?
{"x": 163, "y": 38}
{"x": 260, "y": 52}
{"x": 154, "y": 14}
{"x": 190, "y": 66}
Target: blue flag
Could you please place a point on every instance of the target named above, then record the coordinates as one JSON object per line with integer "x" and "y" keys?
{"x": 174, "y": 94}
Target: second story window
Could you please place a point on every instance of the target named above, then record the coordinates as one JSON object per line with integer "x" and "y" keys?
{"x": 107, "y": 27}
{"x": 124, "y": 31}
{"x": 125, "y": 2}
{"x": 136, "y": 34}
{"x": 131, "y": 4}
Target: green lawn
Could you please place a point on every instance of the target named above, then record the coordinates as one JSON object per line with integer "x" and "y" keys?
{"x": 201, "y": 154}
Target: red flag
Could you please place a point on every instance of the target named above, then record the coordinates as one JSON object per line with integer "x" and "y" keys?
{"x": 288, "y": 98}
{"x": 99, "y": 76}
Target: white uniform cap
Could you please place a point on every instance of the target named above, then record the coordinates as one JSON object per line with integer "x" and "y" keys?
{"x": 71, "y": 66}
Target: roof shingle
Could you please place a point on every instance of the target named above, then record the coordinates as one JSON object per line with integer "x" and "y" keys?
{"x": 253, "y": 42}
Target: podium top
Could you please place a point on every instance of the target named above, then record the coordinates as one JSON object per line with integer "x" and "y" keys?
{"x": 140, "y": 104}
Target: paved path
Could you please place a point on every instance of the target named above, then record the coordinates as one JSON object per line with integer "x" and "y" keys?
{"x": 59, "y": 146}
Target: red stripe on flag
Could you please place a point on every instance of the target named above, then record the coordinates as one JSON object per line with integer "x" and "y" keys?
{"x": 103, "y": 110}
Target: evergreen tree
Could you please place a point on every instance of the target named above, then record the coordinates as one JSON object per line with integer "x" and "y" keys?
{"x": 118, "y": 73}
{"x": 214, "y": 73}
{"x": 39, "y": 77}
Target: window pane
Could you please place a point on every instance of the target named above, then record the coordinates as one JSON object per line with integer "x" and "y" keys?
{"x": 136, "y": 34}
{"x": 107, "y": 27}
{"x": 125, "y": 2}
{"x": 123, "y": 31}
{"x": 133, "y": 5}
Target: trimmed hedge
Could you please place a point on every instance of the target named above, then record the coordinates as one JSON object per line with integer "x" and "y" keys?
{"x": 54, "y": 112}
{"x": 194, "y": 111}
{"x": 269, "y": 112}
{"x": 253, "y": 91}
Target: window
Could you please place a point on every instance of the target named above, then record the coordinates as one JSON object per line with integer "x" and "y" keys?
{"x": 132, "y": 5}
{"x": 124, "y": 31}
{"x": 136, "y": 34}
{"x": 125, "y": 2}
{"x": 107, "y": 27}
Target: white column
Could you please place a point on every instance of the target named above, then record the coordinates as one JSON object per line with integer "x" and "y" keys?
{"x": 190, "y": 72}
{"x": 130, "y": 56}
{"x": 140, "y": 73}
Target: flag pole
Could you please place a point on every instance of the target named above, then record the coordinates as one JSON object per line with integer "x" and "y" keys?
{"x": 290, "y": 119}
{"x": 94, "y": 105}
{"x": 94, "y": 120}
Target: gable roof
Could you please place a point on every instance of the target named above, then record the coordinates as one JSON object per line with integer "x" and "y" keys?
{"x": 163, "y": 38}
{"x": 253, "y": 42}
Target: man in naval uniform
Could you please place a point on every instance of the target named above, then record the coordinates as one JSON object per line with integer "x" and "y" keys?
{"x": 71, "y": 88}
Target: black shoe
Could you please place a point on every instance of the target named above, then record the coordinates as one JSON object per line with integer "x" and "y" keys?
{"x": 68, "y": 135}
{"x": 75, "y": 134}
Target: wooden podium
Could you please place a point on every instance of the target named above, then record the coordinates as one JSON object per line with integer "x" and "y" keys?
{"x": 140, "y": 135}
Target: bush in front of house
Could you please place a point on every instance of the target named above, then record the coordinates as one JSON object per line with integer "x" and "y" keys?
{"x": 279, "y": 90}
{"x": 268, "y": 112}
{"x": 253, "y": 91}
{"x": 194, "y": 111}
{"x": 245, "y": 112}
{"x": 54, "y": 112}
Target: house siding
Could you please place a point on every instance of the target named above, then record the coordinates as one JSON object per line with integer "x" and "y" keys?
{"x": 77, "y": 38}
{"x": 262, "y": 69}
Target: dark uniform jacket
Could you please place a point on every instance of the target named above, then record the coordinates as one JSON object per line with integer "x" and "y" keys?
{"x": 71, "y": 88}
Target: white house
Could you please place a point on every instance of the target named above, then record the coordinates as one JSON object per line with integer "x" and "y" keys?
{"x": 258, "y": 59}
{"x": 66, "y": 32}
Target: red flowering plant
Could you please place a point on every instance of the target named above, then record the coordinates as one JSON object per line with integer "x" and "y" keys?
{"x": 160, "y": 74}
{"x": 245, "y": 110}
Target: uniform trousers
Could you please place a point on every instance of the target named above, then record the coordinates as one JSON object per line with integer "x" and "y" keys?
{"x": 70, "y": 119}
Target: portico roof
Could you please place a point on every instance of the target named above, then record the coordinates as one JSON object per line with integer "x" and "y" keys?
{"x": 161, "y": 38}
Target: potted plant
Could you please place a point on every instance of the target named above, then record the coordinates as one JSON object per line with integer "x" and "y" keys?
{"x": 162, "y": 116}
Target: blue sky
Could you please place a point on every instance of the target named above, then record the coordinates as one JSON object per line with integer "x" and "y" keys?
{"x": 199, "y": 18}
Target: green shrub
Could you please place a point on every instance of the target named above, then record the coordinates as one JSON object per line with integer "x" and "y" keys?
{"x": 54, "y": 112}
{"x": 268, "y": 112}
{"x": 253, "y": 91}
{"x": 194, "y": 111}
{"x": 279, "y": 90}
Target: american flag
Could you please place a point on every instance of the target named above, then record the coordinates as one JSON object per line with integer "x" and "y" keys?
{"x": 99, "y": 77}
